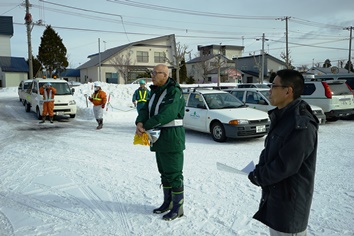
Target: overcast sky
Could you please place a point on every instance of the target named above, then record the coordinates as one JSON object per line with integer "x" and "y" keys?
{"x": 316, "y": 28}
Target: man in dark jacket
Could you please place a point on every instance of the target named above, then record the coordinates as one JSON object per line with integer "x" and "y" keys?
{"x": 165, "y": 112}
{"x": 286, "y": 168}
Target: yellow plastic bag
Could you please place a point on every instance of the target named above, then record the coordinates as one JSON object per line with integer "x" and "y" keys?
{"x": 141, "y": 140}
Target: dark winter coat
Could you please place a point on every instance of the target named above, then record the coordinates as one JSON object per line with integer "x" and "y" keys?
{"x": 172, "y": 139}
{"x": 286, "y": 168}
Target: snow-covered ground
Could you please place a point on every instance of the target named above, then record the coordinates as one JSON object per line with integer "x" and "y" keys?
{"x": 68, "y": 178}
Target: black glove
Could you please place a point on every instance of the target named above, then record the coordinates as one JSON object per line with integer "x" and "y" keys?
{"x": 253, "y": 178}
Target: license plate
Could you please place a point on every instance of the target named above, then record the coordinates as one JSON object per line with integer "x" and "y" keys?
{"x": 60, "y": 113}
{"x": 260, "y": 129}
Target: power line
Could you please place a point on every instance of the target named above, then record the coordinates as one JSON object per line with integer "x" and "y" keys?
{"x": 189, "y": 12}
{"x": 137, "y": 24}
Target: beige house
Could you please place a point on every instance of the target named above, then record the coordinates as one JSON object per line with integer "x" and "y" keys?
{"x": 205, "y": 67}
{"x": 123, "y": 64}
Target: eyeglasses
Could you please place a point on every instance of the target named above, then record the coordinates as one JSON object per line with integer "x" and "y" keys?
{"x": 277, "y": 86}
{"x": 156, "y": 72}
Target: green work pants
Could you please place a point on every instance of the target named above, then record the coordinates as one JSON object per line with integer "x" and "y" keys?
{"x": 170, "y": 166}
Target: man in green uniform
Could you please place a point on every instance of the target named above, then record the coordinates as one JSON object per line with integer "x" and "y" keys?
{"x": 164, "y": 112}
{"x": 141, "y": 95}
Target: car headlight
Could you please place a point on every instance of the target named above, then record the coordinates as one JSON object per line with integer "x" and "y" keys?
{"x": 238, "y": 122}
{"x": 72, "y": 102}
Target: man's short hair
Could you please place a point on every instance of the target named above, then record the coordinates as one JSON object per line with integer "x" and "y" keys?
{"x": 294, "y": 79}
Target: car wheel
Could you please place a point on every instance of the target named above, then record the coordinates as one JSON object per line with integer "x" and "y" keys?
{"x": 218, "y": 132}
{"x": 38, "y": 112}
{"x": 27, "y": 107}
{"x": 72, "y": 116}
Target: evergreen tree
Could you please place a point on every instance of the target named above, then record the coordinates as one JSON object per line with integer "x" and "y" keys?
{"x": 52, "y": 52}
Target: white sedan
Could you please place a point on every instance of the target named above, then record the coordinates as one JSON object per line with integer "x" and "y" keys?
{"x": 223, "y": 115}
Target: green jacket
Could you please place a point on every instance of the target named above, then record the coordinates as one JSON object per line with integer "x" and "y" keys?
{"x": 139, "y": 99}
{"x": 172, "y": 139}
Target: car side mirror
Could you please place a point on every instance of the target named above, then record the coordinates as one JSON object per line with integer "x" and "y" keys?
{"x": 72, "y": 90}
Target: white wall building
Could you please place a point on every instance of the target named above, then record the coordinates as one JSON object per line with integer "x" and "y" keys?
{"x": 124, "y": 63}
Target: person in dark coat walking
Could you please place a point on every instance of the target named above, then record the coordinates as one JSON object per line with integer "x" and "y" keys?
{"x": 287, "y": 164}
{"x": 164, "y": 114}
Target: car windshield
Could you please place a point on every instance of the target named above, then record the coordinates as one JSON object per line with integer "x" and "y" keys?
{"x": 222, "y": 100}
{"x": 62, "y": 88}
{"x": 26, "y": 85}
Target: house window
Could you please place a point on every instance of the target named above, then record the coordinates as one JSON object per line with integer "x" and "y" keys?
{"x": 142, "y": 56}
{"x": 159, "y": 57}
{"x": 112, "y": 78}
{"x": 209, "y": 79}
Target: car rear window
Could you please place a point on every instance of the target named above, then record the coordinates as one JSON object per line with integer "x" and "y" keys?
{"x": 339, "y": 89}
{"x": 350, "y": 81}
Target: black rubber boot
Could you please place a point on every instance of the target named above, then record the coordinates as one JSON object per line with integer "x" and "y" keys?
{"x": 43, "y": 119}
{"x": 51, "y": 119}
{"x": 100, "y": 123}
{"x": 177, "y": 209}
{"x": 167, "y": 201}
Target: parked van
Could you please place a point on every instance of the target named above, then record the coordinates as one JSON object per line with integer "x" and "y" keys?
{"x": 64, "y": 103}
{"x": 22, "y": 88}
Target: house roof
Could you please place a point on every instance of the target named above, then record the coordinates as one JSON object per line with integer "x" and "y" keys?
{"x": 266, "y": 55}
{"x": 94, "y": 59}
{"x": 13, "y": 64}
{"x": 70, "y": 73}
{"x": 218, "y": 46}
{"x": 206, "y": 58}
{"x": 6, "y": 26}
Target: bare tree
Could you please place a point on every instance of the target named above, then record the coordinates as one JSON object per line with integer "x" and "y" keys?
{"x": 283, "y": 56}
{"x": 181, "y": 51}
{"x": 123, "y": 64}
{"x": 204, "y": 68}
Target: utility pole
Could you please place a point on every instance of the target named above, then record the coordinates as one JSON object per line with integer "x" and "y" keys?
{"x": 28, "y": 21}
{"x": 99, "y": 60}
{"x": 263, "y": 57}
{"x": 286, "y": 18}
{"x": 219, "y": 65}
{"x": 350, "y": 48}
